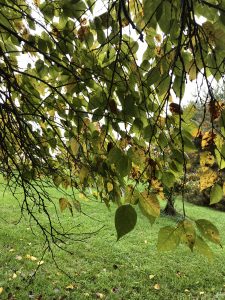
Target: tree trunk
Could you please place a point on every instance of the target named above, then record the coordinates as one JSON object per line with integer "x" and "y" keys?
{"x": 170, "y": 209}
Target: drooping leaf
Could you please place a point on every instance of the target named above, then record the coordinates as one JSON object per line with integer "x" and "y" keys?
{"x": 202, "y": 247}
{"x": 208, "y": 230}
{"x": 216, "y": 194}
{"x": 168, "y": 238}
{"x": 149, "y": 205}
{"x": 125, "y": 220}
{"x": 188, "y": 233}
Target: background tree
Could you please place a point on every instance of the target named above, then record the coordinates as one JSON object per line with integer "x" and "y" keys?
{"x": 87, "y": 110}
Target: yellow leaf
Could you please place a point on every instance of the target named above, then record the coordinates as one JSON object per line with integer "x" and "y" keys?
{"x": 100, "y": 295}
{"x": 30, "y": 257}
{"x": 40, "y": 262}
{"x": 14, "y": 275}
{"x": 207, "y": 178}
{"x": 11, "y": 250}
{"x": 1, "y": 290}
{"x": 70, "y": 287}
{"x": 109, "y": 187}
{"x": 151, "y": 276}
{"x": 206, "y": 159}
{"x": 208, "y": 139}
{"x": 18, "y": 257}
{"x": 157, "y": 286}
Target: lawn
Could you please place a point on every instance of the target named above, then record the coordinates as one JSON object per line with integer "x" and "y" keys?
{"x": 100, "y": 267}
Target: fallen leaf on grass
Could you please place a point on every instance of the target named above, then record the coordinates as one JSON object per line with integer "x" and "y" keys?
{"x": 1, "y": 289}
{"x": 14, "y": 275}
{"x": 157, "y": 286}
{"x": 187, "y": 291}
{"x": 30, "y": 257}
{"x": 19, "y": 257}
{"x": 151, "y": 276}
{"x": 11, "y": 250}
{"x": 70, "y": 287}
{"x": 40, "y": 262}
{"x": 100, "y": 295}
{"x": 201, "y": 293}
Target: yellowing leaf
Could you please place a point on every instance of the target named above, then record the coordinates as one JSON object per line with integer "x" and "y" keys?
{"x": 14, "y": 275}
{"x": 208, "y": 139}
{"x": 202, "y": 247}
{"x": 40, "y": 262}
{"x": 1, "y": 290}
{"x": 168, "y": 238}
{"x": 206, "y": 159}
{"x": 149, "y": 204}
{"x": 109, "y": 187}
{"x": 30, "y": 257}
{"x": 188, "y": 234}
{"x": 74, "y": 145}
{"x": 207, "y": 178}
{"x": 208, "y": 230}
{"x": 151, "y": 276}
{"x": 157, "y": 286}
{"x": 70, "y": 287}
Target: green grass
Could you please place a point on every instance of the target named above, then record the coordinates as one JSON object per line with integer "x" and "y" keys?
{"x": 116, "y": 270}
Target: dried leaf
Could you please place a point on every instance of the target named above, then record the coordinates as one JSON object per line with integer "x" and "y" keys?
{"x": 157, "y": 286}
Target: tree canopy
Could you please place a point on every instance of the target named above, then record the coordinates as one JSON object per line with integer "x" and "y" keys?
{"x": 91, "y": 97}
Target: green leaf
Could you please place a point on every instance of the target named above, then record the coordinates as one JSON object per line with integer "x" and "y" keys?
{"x": 216, "y": 194}
{"x": 74, "y": 145}
{"x": 168, "y": 179}
{"x": 125, "y": 220}
{"x": 208, "y": 230}
{"x": 121, "y": 160}
{"x": 168, "y": 238}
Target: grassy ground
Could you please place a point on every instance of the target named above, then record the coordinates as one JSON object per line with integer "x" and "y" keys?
{"x": 102, "y": 268}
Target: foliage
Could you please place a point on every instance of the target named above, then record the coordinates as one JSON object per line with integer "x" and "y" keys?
{"x": 85, "y": 110}
{"x": 130, "y": 268}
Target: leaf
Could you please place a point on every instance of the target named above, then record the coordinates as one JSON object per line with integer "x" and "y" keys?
{"x": 188, "y": 234}
{"x": 168, "y": 238}
{"x": 30, "y": 257}
{"x": 207, "y": 178}
{"x": 1, "y": 290}
{"x": 216, "y": 194}
{"x": 64, "y": 203}
{"x": 157, "y": 286}
{"x": 76, "y": 205}
{"x": 202, "y": 247}
{"x": 74, "y": 145}
{"x": 125, "y": 220}
{"x": 83, "y": 174}
{"x": 149, "y": 204}
{"x": 168, "y": 179}
{"x": 208, "y": 230}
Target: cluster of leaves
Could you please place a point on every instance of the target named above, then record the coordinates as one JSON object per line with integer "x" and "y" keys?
{"x": 80, "y": 109}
